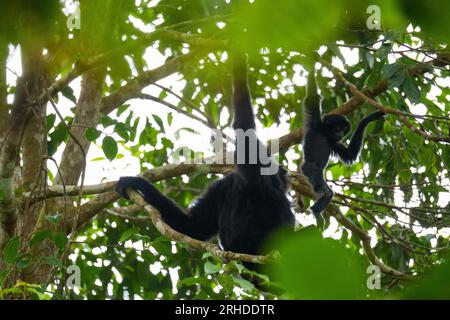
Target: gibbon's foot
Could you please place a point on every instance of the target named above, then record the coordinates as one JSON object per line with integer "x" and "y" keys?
{"x": 320, "y": 221}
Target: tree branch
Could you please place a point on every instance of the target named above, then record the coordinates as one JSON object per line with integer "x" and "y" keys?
{"x": 213, "y": 248}
{"x": 298, "y": 182}
{"x": 134, "y": 87}
{"x": 296, "y": 135}
{"x": 175, "y": 108}
{"x": 104, "y": 58}
{"x": 354, "y": 90}
{"x": 303, "y": 187}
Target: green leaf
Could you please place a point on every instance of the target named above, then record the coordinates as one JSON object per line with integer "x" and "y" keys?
{"x": 53, "y": 219}
{"x": 163, "y": 94}
{"x": 22, "y": 264}
{"x": 40, "y": 236}
{"x": 92, "y": 134}
{"x": 189, "y": 281}
{"x": 333, "y": 47}
{"x": 51, "y": 118}
{"x": 206, "y": 255}
{"x": 384, "y": 50}
{"x": 107, "y": 121}
{"x": 390, "y": 69}
{"x": 162, "y": 239}
{"x": 128, "y": 234}
{"x": 3, "y": 276}
{"x": 244, "y": 284}
{"x": 148, "y": 15}
{"x": 122, "y": 108}
{"x": 122, "y": 131}
{"x": 68, "y": 93}
{"x": 167, "y": 143}
{"x": 109, "y": 147}
{"x": 308, "y": 278}
{"x": 169, "y": 118}
{"x": 397, "y": 80}
{"x": 11, "y": 251}
{"x": 159, "y": 121}
{"x": 60, "y": 240}
{"x": 210, "y": 268}
{"x": 164, "y": 248}
{"x": 411, "y": 90}
{"x": 148, "y": 256}
{"x": 54, "y": 261}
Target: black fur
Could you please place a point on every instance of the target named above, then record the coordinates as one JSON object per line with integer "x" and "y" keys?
{"x": 322, "y": 139}
{"x": 244, "y": 207}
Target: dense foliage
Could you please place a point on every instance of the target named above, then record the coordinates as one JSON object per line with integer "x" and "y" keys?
{"x": 398, "y": 194}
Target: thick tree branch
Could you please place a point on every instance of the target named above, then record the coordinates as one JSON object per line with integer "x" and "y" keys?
{"x": 298, "y": 182}
{"x": 213, "y": 248}
{"x": 87, "y": 114}
{"x": 4, "y": 114}
{"x": 9, "y": 148}
{"x": 91, "y": 208}
{"x": 133, "y": 88}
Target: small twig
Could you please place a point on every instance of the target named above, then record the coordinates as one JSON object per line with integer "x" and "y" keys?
{"x": 175, "y": 108}
{"x": 128, "y": 216}
{"x": 188, "y": 103}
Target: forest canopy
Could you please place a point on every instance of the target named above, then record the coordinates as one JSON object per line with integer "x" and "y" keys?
{"x": 93, "y": 90}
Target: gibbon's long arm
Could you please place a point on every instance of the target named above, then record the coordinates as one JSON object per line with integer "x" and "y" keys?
{"x": 248, "y": 158}
{"x": 243, "y": 110}
{"x": 350, "y": 154}
{"x": 202, "y": 220}
{"x": 313, "y": 111}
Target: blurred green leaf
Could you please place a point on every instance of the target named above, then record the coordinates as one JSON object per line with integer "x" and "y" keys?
{"x": 92, "y": 134}
{"x": 11, "y": 250}
{"x": 128, "y": 234}
{"x": 109, "y": 147}
{"x": 54, "y": 219}
{"x": 40, "y": 236}
{"x": 411, "y": 90}
{"x": 210, "y": 268}
{"x": 310, "y": 264}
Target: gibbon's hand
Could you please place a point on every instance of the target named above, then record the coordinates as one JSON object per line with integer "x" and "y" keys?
{"x": 320, "y": 221}
{"x": 125, "y": 183}
{"x": 378, "y": 115}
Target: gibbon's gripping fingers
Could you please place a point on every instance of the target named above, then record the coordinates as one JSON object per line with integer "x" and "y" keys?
{"x": 320, "y": 221}
{"x": 135, "y": 183}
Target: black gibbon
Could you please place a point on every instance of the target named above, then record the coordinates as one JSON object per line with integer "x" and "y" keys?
{"x": 244, "y": 207}
{"x": 322, "y": 139}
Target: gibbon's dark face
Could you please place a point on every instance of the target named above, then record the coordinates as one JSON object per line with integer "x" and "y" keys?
{"x": 336, "y": 126}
